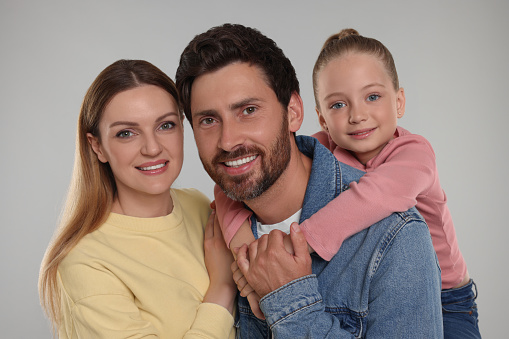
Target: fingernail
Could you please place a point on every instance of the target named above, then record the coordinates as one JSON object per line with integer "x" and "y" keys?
{"x": 296, "y": 227}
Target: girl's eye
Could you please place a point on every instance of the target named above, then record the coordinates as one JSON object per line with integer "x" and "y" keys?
{"x": 338, "y": 105}
{"x": 124, "y": 134}
{"x": 373, "y": 97}
{"x": 167, "y": 125}
{"x": 249, "y": 110}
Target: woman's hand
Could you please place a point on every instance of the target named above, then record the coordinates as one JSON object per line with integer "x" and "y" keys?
{"x": 218, "y": 259}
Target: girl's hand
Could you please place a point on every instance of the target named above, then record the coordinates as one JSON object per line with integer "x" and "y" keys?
{"x": 246, "y": 290}
{"x": 218, "y": 259}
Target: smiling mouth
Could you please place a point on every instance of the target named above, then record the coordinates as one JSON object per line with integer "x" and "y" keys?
{"x": 152, "y": 168}
{"x": 363, "y": 132}
{"x": 240, "y": 162}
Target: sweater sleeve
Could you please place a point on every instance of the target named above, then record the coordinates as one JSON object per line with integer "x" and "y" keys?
{"x": 403, "y": 170}
{"x": 108, "y": 315}
{"x": 116, "y": 315}
{"x": 231, "y": 214}
{"x": 212, "y": 321}
{"x": 325, "y": 139}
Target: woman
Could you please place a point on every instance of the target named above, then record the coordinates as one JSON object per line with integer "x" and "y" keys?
{"x": 128, "y": 259}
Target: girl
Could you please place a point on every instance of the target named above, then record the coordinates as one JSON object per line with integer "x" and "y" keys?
{"x": 358, "y": 102}
{"x": 128, "y": 259}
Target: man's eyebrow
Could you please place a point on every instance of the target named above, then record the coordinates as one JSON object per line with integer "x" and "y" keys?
{"x": 244, "y": 102}
{"x": 234, "y": 106}
{"x": 207, "y": 112}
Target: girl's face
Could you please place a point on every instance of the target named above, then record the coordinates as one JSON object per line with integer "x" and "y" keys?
{"x": 359, "y": 106}
{"x": 142, "y": 140}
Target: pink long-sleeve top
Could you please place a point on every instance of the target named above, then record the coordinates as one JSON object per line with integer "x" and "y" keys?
{"x": 402, "y": 175}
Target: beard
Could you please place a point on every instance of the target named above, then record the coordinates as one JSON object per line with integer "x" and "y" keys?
{"x": 251, "y": 185}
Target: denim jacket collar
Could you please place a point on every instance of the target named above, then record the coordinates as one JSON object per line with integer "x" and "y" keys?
{"x": 326, "y": 180}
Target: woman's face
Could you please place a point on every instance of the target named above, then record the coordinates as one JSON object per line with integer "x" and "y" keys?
{"x": 142, "y": 140}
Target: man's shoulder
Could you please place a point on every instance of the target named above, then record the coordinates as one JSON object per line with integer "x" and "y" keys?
{"x": 399, "y": 225}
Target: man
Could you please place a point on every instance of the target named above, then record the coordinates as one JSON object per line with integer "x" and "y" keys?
{"x": 241, "y": 95}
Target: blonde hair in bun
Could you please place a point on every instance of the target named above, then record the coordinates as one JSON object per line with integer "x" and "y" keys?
{"x": 348, "y": 40}
{"x": 338, "y": 36}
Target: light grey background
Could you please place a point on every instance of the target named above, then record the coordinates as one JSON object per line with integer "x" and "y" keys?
{"x": 451, "y": 58}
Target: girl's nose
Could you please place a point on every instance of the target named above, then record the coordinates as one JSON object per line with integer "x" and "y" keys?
{"x": 357, "y": 115}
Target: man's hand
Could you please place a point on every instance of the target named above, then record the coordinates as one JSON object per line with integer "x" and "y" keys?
{"x": 267, "y": 265}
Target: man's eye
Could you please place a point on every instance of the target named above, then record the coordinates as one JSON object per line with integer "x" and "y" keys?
{"x": 249, "y": 110}
{"x": 373, "y": 97}
{"x": 207, "y": 121}
{"x": 338, "y": 105}
{"x": 124, "y": 134}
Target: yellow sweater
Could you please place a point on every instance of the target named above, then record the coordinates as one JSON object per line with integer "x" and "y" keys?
{"x": 143, "y": 278}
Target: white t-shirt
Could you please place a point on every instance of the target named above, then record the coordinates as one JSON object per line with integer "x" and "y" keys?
{"x": 283, "y": 226}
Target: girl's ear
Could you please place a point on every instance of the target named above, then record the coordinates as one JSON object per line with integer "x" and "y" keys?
{"x": 96, "y": 147}
{"x": 295, "y": 112}
{"x": 321, "y": 120}
{"x": 400, "y": 102}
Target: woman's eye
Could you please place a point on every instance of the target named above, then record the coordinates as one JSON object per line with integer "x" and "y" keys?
{"x": 167, "y": 125}
{"x": 124, "y": 134}
{"x": 338, "y": 105}
{"x": 373, "y": 97}
{"x": 249, "y": 110}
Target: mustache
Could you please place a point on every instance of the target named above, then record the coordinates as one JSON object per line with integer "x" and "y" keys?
{"x": 223, "y": 156}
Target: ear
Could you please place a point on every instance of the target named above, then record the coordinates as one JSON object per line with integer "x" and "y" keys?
{"x": 96, "y": 147}
{"x": 400, "y": 102}
{"x": 295, "y": 112}
{"x": 322, "y": 121}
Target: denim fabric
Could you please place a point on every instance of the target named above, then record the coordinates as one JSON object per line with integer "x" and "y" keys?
{"x": 460, "y": 312}
{"x": 384, "y": 282}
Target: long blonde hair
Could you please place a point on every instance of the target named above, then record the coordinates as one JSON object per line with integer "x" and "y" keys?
{"x": 346, "y": 41}
{"x": 92, "y": 187}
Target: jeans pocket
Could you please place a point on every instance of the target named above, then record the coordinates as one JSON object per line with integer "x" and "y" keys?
{"x": 467, "y": 306}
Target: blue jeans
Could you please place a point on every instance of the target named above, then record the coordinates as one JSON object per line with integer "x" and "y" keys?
{"x": 459, "y": 311}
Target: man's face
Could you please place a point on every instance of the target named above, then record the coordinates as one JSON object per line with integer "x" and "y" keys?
{"x": 240, "y": 129}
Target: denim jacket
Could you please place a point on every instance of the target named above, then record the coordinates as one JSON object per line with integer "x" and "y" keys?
{"x": 384, "y": 282}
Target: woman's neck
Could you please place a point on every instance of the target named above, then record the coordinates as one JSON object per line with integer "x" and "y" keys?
{"x": 143, "y": 206}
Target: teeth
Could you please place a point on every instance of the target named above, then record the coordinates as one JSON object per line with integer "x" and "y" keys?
{"x": 151, "y": 168}
{"x": 237, "y": 163}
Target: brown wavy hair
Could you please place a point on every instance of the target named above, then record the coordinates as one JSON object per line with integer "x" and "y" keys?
{"x": 92, "y": 188}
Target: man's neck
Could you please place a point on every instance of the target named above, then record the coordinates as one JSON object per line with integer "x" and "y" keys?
{"x": 286, "y": 196}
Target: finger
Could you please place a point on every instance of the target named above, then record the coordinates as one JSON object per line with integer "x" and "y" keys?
{"x": 242, "y": 259}
{"x": 234, "y": 267}
{"x": 246, "y": 289}
{"x": 300, "y": 245}
{"x": 275, "y": 238}
{"x": 254, "y": 302}
{"x": 209, "y": 227}
{"x": 239, "y": 279}
{"x": 256, "y": 246}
